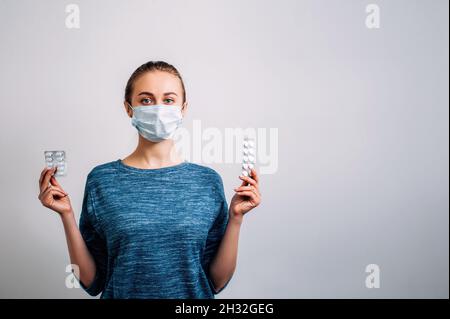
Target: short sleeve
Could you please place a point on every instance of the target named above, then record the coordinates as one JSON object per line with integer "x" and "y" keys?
{"x": 215, "y": 236}
{"x": 95, "y": 243}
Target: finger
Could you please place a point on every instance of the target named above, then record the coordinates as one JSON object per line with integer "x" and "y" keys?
{"x": 52, "y": 192}
{"x": 244, "y": 182}
{"x": 48, "y": 195}
{"x": 248, "y": 188}
{"x": 55, "y": 183}
{"x": 46, "y": 178}
{"x": 248, "y": 193}
{"x": 252, "y": 197}
{"x": 245, "y": 188}
{"x": 42, "y": 175}
{"x": 255, "y": 175}
{"x": 249, "y": 180}
{"x": 44, "y": 194}
{"x": 57, "y": 192}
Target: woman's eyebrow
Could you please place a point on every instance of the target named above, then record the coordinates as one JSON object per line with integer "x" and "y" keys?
{"x": 149, "y": 93}
{"x": 145, "y": 93}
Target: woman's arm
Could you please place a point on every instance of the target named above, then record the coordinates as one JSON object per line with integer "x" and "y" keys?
{"x": 246, "y": 198}
{"x": 78, "y": 251}
{"x": 54, "y": 197}
{"x": 223, "y": 265}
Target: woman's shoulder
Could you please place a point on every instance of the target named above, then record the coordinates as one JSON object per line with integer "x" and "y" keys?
{"x": 207, "y": 176}
{"x": 102, "y": 171}
{"x": 204, "y": 172}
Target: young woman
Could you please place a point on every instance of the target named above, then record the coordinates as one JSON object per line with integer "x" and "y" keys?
{"x": 151, "y": 224}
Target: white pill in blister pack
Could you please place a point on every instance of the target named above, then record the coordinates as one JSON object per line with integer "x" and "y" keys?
{"x": 56, "y": 159}
{"x": 248, "y": 159}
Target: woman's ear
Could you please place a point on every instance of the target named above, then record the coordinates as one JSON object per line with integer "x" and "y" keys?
{"x": 128, "y": 109}
{"x": 184, "y": 108}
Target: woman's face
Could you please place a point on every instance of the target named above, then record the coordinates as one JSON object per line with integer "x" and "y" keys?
{"x": 157, "y": 87}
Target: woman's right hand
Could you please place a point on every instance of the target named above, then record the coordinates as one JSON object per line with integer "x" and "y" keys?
{"x": 52, "y": 194}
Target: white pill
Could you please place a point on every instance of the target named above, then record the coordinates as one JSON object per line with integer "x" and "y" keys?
{"x": 244, "y": 173}
{"x": 250, "y": 166}
{"x": 251, "y": 159}
{"x": 251, "y": 151}
{"x": 251, "y": 143}
{"x": 246, "y": 151}
{"x": 245, "y": 166}
{"x": 245, "y": 144}
{"x": 245, "y": 159}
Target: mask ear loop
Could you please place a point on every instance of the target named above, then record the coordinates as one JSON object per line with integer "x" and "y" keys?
{"x": 129, "y": 105}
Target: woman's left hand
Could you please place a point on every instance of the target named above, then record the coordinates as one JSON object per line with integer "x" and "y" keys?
{"x": 247, "y": 196}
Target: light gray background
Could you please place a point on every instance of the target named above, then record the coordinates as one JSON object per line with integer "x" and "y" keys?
{"x": 363, "y": 132}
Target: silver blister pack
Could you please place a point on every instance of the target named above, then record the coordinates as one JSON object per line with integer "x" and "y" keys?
{"x": 58, "y": 159}
{"x": 249, "y": 156}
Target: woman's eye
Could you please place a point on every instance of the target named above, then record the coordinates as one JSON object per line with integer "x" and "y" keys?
{"x": 146, "y": 101}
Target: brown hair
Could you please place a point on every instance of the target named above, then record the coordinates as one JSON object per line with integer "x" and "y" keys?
{"x": 148, "y": 67}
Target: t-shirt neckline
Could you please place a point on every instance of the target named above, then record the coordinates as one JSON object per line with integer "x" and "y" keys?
{"x": 171, "y": 168}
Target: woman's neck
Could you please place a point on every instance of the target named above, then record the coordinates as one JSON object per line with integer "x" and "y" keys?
{"x": 153, "y": 155}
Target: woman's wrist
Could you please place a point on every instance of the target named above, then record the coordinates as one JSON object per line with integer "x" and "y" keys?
{"x": 236, "y": 219}
{"x": 67, "y": 216}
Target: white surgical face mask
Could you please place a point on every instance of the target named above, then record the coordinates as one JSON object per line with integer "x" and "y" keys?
{"x": 156, "y": 122}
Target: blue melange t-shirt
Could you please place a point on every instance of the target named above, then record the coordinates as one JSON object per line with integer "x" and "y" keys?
{"x": 153, "y": 232}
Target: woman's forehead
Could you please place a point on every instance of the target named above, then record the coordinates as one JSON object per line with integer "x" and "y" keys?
{"x": 157, "y": 82}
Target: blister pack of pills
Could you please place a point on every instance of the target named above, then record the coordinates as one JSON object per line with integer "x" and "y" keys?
{"x": 58, "y": 159}
{"x": 249, "y": 156}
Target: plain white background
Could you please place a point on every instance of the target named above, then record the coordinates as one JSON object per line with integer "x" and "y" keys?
{"x": 363, "y": 127}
